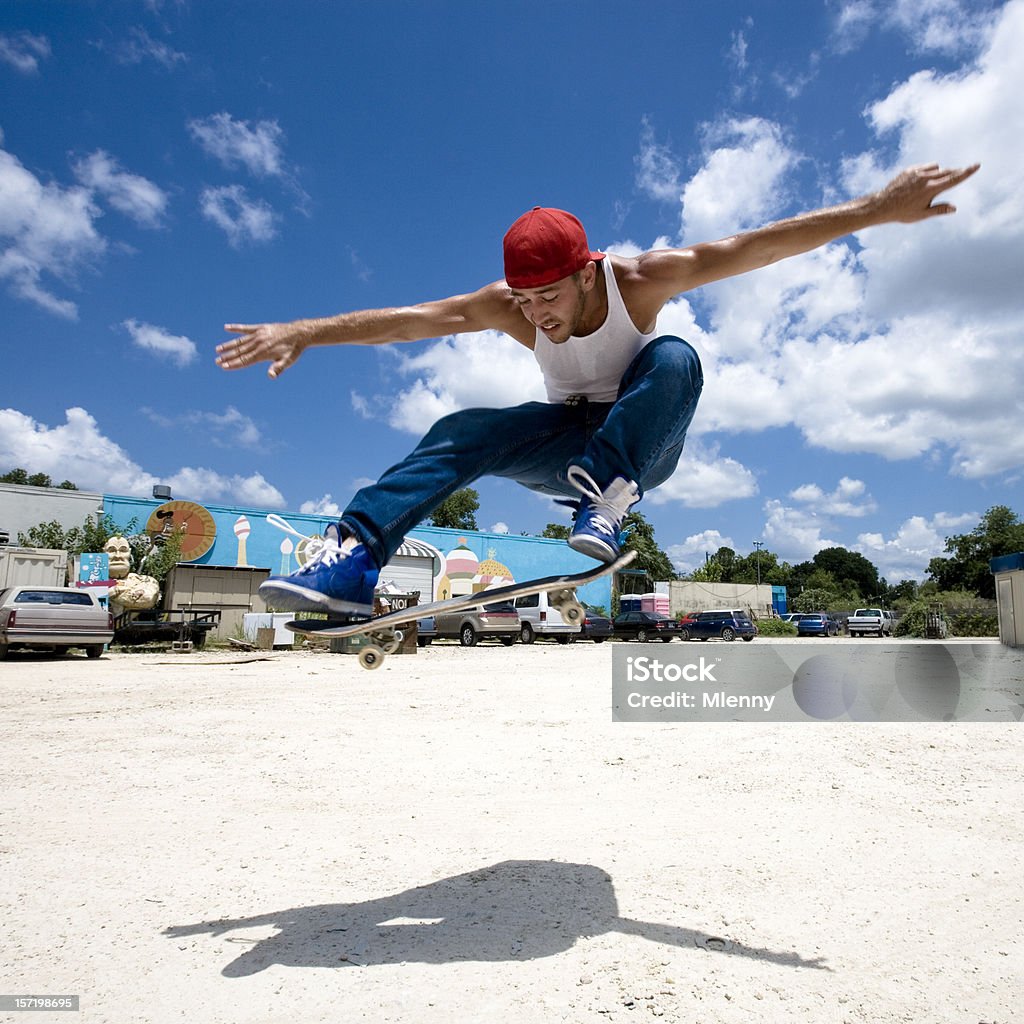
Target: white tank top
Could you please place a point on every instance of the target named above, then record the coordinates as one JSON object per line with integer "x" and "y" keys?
{"x": 592, "y": 366}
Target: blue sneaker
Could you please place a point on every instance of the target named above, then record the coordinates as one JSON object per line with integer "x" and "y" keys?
{"x": 600, "y": 515}
{"x": 339, "y": 578}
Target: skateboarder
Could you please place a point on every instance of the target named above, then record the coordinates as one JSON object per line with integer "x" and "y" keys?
{"x": 620, "y": 397}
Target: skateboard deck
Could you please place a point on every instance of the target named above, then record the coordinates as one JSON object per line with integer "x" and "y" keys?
{"x": 381, "y": 628}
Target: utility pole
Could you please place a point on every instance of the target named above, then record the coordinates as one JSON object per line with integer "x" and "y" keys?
{"x": 758, "y": 544}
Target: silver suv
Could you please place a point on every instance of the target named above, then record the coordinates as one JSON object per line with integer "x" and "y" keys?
{"x": 489, "y": 622}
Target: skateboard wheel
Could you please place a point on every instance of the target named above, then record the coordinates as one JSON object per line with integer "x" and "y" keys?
{"x": 573, "y": 613}
{"x": 371, "y": 657}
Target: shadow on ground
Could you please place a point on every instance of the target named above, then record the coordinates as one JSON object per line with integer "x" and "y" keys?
{"x": 515, "y": 910}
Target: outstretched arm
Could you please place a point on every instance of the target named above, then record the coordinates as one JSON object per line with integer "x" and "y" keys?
{"x": 281, "y": 344}
{"x": 909, "y": 197}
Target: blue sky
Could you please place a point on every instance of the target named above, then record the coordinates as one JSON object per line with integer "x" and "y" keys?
{"x": 168, "y": 167}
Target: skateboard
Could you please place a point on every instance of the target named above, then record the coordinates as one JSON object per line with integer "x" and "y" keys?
{"x": 384, "y": 635}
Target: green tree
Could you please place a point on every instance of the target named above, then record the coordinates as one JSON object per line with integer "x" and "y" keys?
{"x": 21, "y": 476}
{"x": 821, "y": 591}
{"x": 90, "y": 536}
{"x": 457, "y": 512}
{"x": 710, "y": 572}
{"x": 557, "y": 531}
{"x": 905, "y": 592}
{"x": 815, "y": 599}
{"x": 156, "y": 560}
{"x": 726, "y": 559}
{"x": 1000, "y": 532}
{"x": 765, "y": 565}
{"x": 850, "y": 568}
{"x": 147, "y": 558}
{"x": 650, "y": 557}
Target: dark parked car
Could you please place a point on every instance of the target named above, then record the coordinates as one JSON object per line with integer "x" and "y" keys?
{"x": 644, "y": 626}
{"x": 726, "y": 624}
{"x": 817, "y": 624}
{"x": 53, "y": 617}
{"x": 595, "y": 627}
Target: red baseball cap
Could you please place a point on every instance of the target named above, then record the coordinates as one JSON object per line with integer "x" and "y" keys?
{"x": 543, "y": 246}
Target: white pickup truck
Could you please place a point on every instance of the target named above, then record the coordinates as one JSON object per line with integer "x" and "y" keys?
{"x": 870, "y": 622}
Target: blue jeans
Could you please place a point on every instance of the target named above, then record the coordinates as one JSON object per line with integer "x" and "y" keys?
{"x": 639, "y": 436}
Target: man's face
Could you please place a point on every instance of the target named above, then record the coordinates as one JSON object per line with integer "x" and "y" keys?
{"x": 556, "y": 309}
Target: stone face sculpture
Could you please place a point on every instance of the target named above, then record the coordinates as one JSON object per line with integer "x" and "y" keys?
{"x": 119, "y": 552}
{"x": 132, "y": 591}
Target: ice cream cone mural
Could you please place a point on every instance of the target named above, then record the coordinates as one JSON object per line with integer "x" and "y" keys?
{"x": 287, "y": 547}
{"x": 242, "y": 530}
{"x": 461, "y": 566}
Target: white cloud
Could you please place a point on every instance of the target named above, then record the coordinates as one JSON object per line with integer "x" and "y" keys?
{"x": 704, "y": 479}
{"x": 131, "y": 194}
{"x": 690, "y": 554}
{"x": 944, "y": 26}
{"x": 919, "y": 539}
{"x": 853, "y": 23}
{"x": 23, "y": 51}
{"x": 903, "y": 342}
{"x": 850, "y": 498}
{"x": 741, "y": 182}
{"x": 48, "y": 231}
{"x": 737, "y": 54}
{"x": 657, "y": 171}
{"x": 323, "y": 506}
{"x": 256, "y": 147}
{"x": 199, "y": 484}
{"x": 242, "y": 219}
{"x": 229, "y": 429}
{"x": 795, "y": 535}
{"x": 78, "y": 451}
{"x": 499, "y": 528}
{"x": 361, "y": 405}
{"x": 178, "y": 349}
{"x": 141, "y": 47}
{"x": 462, "y": 371}
{"x": 45, "y": 230}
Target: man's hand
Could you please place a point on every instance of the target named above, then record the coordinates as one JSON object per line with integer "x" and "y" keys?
{"x": 280, "y": 344}
{"x": 909, "y": 196}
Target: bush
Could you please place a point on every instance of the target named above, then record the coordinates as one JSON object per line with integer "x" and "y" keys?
{"x": 776, "y": 627}
{"x": 965, "y": 615}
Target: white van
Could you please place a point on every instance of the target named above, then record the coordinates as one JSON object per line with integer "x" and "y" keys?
{"x": 538, "y": 618}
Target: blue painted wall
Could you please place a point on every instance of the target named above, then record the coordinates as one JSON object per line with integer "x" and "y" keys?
{"x": 269, "y": 544}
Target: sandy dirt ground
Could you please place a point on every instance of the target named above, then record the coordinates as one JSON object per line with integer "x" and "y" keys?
{"x": 465, "y": 835}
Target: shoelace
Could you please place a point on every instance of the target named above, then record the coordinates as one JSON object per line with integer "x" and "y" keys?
{"x": 329, "y": 553}
{"x": 602, "y": 515}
